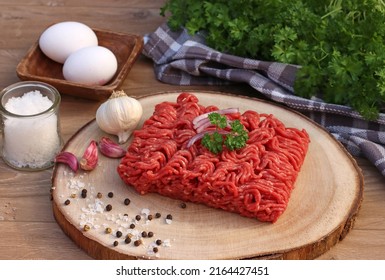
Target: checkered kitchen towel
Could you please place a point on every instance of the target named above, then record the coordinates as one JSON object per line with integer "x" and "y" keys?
{"x": 182, "y": 59}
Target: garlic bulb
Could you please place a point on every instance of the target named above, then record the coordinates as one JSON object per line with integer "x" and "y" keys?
{"x": 119, "y": 115}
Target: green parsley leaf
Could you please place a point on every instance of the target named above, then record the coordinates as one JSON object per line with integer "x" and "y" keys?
{"x": 213, "y": 142}
{"x": 218, "y": 120}
{"x": 237, "y": 138}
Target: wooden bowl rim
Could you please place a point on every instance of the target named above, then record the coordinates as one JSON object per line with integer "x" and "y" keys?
{"x": 103, "y": 89}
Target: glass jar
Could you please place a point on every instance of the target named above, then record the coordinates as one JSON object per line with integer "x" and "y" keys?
{"x": 30, "y": 125}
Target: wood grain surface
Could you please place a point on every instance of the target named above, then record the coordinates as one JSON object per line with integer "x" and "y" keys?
{"x": 28, "y": 227}
{"x": 322, "y": 208}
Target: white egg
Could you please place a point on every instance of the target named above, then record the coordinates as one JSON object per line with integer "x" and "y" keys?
{"x": 61, "y": 39}
{"x": 90, "y": 66}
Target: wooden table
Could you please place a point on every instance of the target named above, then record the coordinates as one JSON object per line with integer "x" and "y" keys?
{"x": 28, "y": 228}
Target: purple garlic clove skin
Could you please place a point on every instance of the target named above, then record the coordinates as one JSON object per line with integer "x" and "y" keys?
{"x": 110, "y": 149}
{"x": 89, "y": 159}
{"x": 68, "y": 158}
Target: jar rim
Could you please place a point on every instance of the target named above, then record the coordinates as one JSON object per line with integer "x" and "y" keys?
{"x": 31, "y": 85}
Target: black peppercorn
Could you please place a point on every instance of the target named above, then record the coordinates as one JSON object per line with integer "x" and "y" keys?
{"x": 84, "y": 193}
{"x": 150, "y": 234}
{"x": 169, "y": 217}
{"x": 144, "y": 234}
{"x": 132, "y": 226}
{"x": 110, "y": 194}
{"x": 183, "y": 205}
{"x": 116, "y": 243}
{"x": 137, "y": 217}
{"x": 158, "y": 242}
{"x": 137, "y": 242}
{"x": 157, "y": 215}
{"x": 155, "y": 249}
{"x": 67, "y": 202}
{"x": 149, "y": 217}
{"x": 109, "y": 207}
{"x": 127, "y": 201}
{"x": 127, "y": 240}
{"x": 119, "y": 234}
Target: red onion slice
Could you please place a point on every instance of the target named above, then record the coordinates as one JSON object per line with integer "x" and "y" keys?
{"x": 222, "y": 112}
{"x": 201, "y": 122}
{"x": 205, "y": 125}
{"x": 200, "y": 135}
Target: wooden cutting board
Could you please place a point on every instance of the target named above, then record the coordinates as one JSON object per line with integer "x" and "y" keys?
{"x": 321, "y": 211}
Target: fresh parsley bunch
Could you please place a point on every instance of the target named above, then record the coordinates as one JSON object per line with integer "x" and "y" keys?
{"x": 233, "y": 139}
{"x": 340, "y": 44}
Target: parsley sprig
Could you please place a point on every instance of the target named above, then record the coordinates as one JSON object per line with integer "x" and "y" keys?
{"x": 339, "y": 43}
{"x": 233, "y": 139}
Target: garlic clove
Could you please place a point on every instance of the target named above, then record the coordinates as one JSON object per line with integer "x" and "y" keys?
{"x": 110, "y": 149}
{"x": 89, "y": 159}
{"x": 68, "y": 158}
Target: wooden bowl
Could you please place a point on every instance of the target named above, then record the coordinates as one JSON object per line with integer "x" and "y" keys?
{"x": 37, "y": 66}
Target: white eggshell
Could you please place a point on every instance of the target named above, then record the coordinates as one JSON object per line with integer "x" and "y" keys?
{"x": 61, "y": 39}
{"x": 90, "y": 66}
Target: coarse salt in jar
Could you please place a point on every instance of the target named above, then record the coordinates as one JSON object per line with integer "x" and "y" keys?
{"x": 30, "y": 125}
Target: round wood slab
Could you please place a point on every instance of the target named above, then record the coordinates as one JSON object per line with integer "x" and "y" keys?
{"x": 321, "y": 210}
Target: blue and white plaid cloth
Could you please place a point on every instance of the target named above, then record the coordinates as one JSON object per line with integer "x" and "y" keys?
{"x": 182, "y": 59}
